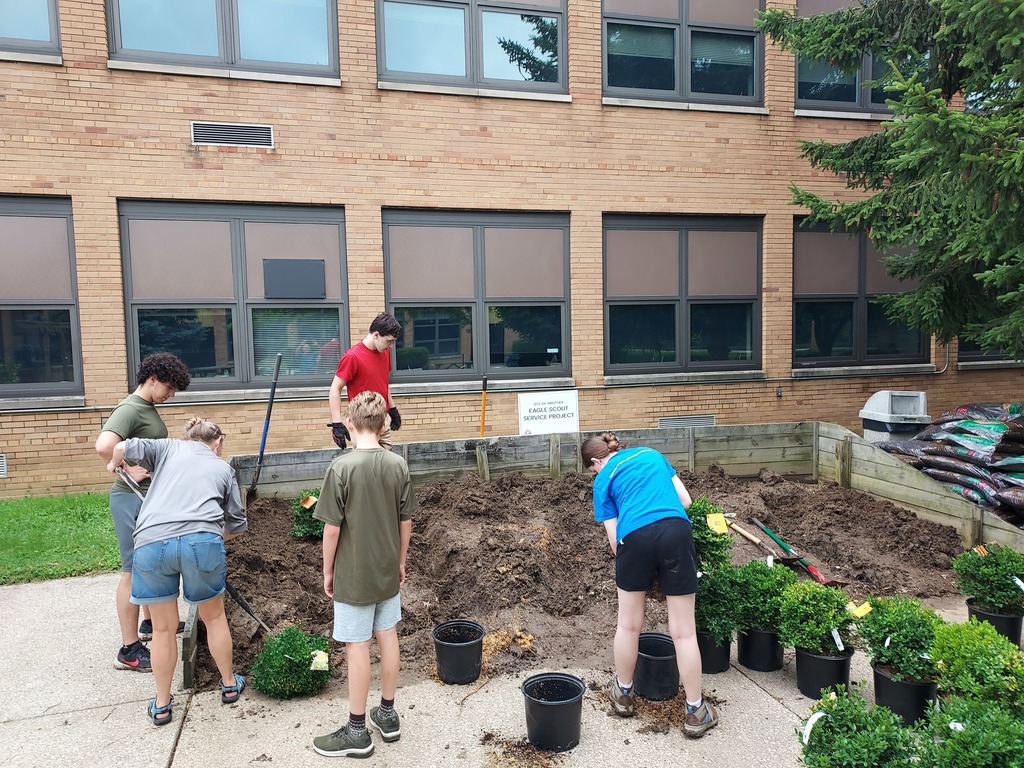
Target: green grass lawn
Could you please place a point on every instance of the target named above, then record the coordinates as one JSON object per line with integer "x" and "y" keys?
{"x": 55, "y": 536}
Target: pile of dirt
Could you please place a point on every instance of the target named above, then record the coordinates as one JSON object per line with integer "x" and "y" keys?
{"x": 524, "y": 557}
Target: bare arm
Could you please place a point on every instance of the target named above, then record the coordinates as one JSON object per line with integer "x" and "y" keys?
{"x": 331, "y": 535}
{"x": 115, "y": 456}
{"x": 682, "y": 493}
{"x": 405, "y": 535}
{"x": 334, "y": 399}
{"x": 609, "y": 527}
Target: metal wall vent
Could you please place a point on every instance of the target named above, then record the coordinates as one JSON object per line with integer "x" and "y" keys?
{"x": 699, "y": 420}
{"x": 233, "y": 134}
{"x": 3, "y": 465}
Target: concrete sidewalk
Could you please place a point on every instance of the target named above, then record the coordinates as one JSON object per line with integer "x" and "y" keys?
{"x": 62, "y": 702}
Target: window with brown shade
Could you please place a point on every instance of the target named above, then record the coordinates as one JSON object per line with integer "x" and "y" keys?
{"x": 228, "y": 287}
{"x": 478, "y": 294}
{"x": 682, "y": 294}
{"x": 40, "y": 347}
{"x": 838, "y": 318}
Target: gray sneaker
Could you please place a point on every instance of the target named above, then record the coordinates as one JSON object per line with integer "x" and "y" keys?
{"x": 700, "y": 720}
{"x": 389, "y": 727}
{"x": 622, "y": 702}
{"x": 342, "y": 743}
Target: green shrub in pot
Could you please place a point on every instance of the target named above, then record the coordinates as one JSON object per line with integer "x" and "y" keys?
{"x": 989, "y": 578}
{"x": 717, "y": 602}
{"x": 759, "y": 590}
{"x": 972, "y": 733}
{"x": 974, "y": 660}
{"x": 809, "y": 612}
{"x": 898, "y": 633}
{"x": 291, "y": 664}
{"x": 303, "y": 522}
{"x": 713, "y": 549}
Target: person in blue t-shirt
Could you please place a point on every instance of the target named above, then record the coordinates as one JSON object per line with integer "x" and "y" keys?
{"x": 642, "y": 503}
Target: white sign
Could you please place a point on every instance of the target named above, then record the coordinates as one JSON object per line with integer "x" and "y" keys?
{"x": 544, "y": 412}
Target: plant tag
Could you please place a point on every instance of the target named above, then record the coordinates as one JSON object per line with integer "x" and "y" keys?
{"x": 810, "y": 724}
{"x": 319, "y": 662}
{"x": 716, "y": 522}
{"x": 770, "y": 560}
{"x": 980, "y": 550}
{"x": 955, "y": 726}
{"x": 1018, "y": 582}
{"x": 838, "y": 639}
{"x": 860, "y": 611}
{"x": 309, "y": 502}
{"x": 886, "y": 643}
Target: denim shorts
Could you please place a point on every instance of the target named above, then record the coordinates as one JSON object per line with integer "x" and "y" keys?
{"x": 197, "y": 560}
{"x": 124, "y": 508}
{"x": 356, "y": 623}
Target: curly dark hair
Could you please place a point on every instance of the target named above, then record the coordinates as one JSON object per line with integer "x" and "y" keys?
{"x": 167, "y": 368}
{"x": 386, "y": 325}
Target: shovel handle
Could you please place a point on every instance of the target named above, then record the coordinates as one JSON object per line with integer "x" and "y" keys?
{"x": 751, "y": 538}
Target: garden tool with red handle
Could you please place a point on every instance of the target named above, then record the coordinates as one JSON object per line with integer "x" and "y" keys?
{"x": 802, "y": 561}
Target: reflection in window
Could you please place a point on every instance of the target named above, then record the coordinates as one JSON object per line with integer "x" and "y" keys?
{"x": 641, "y": 57}
{"x": 36, "y": 346}
{"x": 201, "y": 337}
{"x": 971, "y": 351}
{"x": 721, "y": 332}
{"x": 283, "y": 30}
{"x": 430, "y": 40}
{"x": 722, "y": 64}
{"x": 525, "y": 337}
{"x": 824, "y": 329}
{"x": 885, "y": 337}
{"x": 434, "y": 338}
{"x": 169, "y": 26}
{"x": 819, "y": 81}
{"x": 306, "y": 338}
{"x": 642, "y": 333}
{"x": 25, "y": 20}
{"x": 520, "y": 47}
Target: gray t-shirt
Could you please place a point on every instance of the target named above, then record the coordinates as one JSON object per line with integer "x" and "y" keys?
{"x": 193, "y": 491}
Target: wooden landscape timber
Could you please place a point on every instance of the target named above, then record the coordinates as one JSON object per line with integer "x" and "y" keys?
{"x": 809, "y": 450}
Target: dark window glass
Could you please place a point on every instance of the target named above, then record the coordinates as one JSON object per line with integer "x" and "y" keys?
{"x": 530, "y": 337}
{"x": 36, "y": 347}
{"x": 721, "y": 332}
{"x": 722, "y": 64}
{"x": 201, "y": 337}
{"x": 819, "y": 81}
{"x": 641, "y": 57}
{"x": 885, "y": 337}
{"x": 824, "y": 329}
{"x": 434, "y": 338}
{"x": 970, "y": 351}
{"x": 641, "y": 333}
{"x": 299, "y": 335}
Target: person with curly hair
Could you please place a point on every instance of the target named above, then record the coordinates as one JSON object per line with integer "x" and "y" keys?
{"x": 159, "y": 377}
{"x": 642, "y": 502}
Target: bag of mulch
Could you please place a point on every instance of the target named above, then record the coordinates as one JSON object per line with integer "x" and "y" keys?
{"x": 968, "y": 493}
{"x": 976, "y": 443}
{"x": 1012, "y": 497}
{"x": 981, "y": 458}
{"x": 903, "y": 447}
{"x": 1008, "y": 479}
{"x": 1006, "y": 463}
{"x": 957, "y": 466}
{"x": 910, "y": 461}
{"x": 990, "y": 490}
{"x": 986, "y": 411}
{"x": 991, "y": 430}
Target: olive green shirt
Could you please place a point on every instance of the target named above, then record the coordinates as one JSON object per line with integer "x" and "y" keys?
{"x": 134, "y": 417}
{"x": 367, "y": 493}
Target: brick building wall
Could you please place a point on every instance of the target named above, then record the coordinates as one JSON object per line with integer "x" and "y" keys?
{"x": 98, "y": 136}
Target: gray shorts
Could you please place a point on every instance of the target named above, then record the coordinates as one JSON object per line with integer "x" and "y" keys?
{"x": 357, "y": 623}
{"x": 124, "y": 508}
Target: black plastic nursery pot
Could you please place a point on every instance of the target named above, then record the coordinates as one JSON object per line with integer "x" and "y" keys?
{"x": 656, "y": 676}
{"x": 714, "y": 658}
{"x": 459, "y": 648}
{"x": 554, "y": 710}
{"x": 1007, "y": 624}
{"x": 759, "y": 650}
{"x": 816, "y": 671}
{"x": 910, "y": 699}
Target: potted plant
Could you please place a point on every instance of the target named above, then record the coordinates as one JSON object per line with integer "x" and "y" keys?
{"x": 898, "y": 633}
{"x": 713, "y": 549}
{"x": 843, "y": 729}
{"x": 992, "y": 579}
{"x": 759, "y": 592}
{"x": 716, "y": 617}
{"x": 971, "y": 733}
{"x": 974, "y": 660}
{"x": 814, "y": 620}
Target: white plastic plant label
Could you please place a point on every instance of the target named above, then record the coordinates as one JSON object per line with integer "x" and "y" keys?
{"x": 810, "y": 724}
{"x": 1018, "y": 582}
{"x": 838, "y": 639}
{"x": 770, "y": 560}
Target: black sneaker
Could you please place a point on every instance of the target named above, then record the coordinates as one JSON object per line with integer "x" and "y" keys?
{"x": 146, "y": 629}
{"x": 136, "y": 657}
{"x": 390, "y": 728}
{"x": 344, "y": 743}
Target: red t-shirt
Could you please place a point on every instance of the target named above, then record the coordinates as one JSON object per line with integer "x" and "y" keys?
{"x": 363, "y": 368}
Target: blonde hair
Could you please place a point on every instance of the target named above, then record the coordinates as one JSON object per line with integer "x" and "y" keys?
{"x": 599, "y": 446}
{"x": 200, "y": 429}
{"x": 366, "y": 411}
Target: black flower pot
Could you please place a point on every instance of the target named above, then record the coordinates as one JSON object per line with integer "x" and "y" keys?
{"x": 816, "y": 671}
{"x": 1007, "y": 624}
{"x": 759, "y": 650}
{"x": 714, "y": 658}
{"x": 910, "y": 699}
{"x": 656, "y": 676}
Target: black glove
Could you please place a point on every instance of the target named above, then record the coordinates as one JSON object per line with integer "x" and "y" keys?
{"x": 340, "y": 433}
{"x": 396, "y": 419}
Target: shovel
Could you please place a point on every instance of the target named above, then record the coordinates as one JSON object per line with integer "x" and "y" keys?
{"x": 802, "y": 561}
{"x": 235, "y": 595}
{"x": 251, "y": 492}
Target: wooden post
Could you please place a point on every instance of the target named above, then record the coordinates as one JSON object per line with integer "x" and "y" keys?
{"x": 579, "y": 452}
{"x": 844, "y": 461}
{"x": 189, "y": 646}
{"x": 554, "y": 455}
{"x": 482, "y": 467}
{"x": 691, "y": 454}
{"x": 814, "y": 451}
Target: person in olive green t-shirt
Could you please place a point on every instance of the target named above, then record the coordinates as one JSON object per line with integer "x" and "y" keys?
{"x": 366, "y": 503}
{"x": 160, "y": 375}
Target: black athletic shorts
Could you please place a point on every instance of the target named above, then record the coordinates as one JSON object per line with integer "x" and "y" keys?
{"x": 662, "y": 550}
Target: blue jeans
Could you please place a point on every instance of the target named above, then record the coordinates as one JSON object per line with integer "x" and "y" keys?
{"x": 197, "y": 560}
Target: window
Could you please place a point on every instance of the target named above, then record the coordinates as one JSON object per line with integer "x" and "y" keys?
{"x": 837, "y": 280}
{"x": 682, "y": 294}
{"x": 819, "y": 85}
{"x": 474, "y": 43}
{"x": 40, "y": 351}
{"x": 227, "y": 288}
{"x": 692, "y": 50}
{"x": 297, "y": 37}
{"x": 478, "y": 294}
{"x": 29, "y": 27}
{"x": 971, "y": 352}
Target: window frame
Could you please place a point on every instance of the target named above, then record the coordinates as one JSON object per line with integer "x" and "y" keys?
{"x": 228, "y": 58}
{"x": 681, "y": 300}
{"x": 683, "y": 35}
{"x": 860, "y": 298}
{"x": 18, "y": 48}
{"x": 46, "y": 207}
{"x": 481, "y": 302}
{"x": 474, "y": 78}
{"x": 241, "y": 305}
{"x": 865, "y": 74}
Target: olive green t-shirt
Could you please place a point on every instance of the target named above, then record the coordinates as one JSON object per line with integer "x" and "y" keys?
{"x": 134, "y": 417}
{"x": 366, "y": 492}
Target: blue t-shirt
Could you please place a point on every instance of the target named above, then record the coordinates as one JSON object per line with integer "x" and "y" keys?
{"x": 636, "y": 487}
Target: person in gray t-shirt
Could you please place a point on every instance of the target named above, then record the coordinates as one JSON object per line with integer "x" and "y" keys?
{"x": 192, "y": 507}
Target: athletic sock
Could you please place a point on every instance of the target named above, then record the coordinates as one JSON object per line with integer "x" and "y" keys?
{"x": 356, "y": 723}
{"x": 387, "y": 707}
{"x": 693, "y": 707}
{"x": 624, "y": 688}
